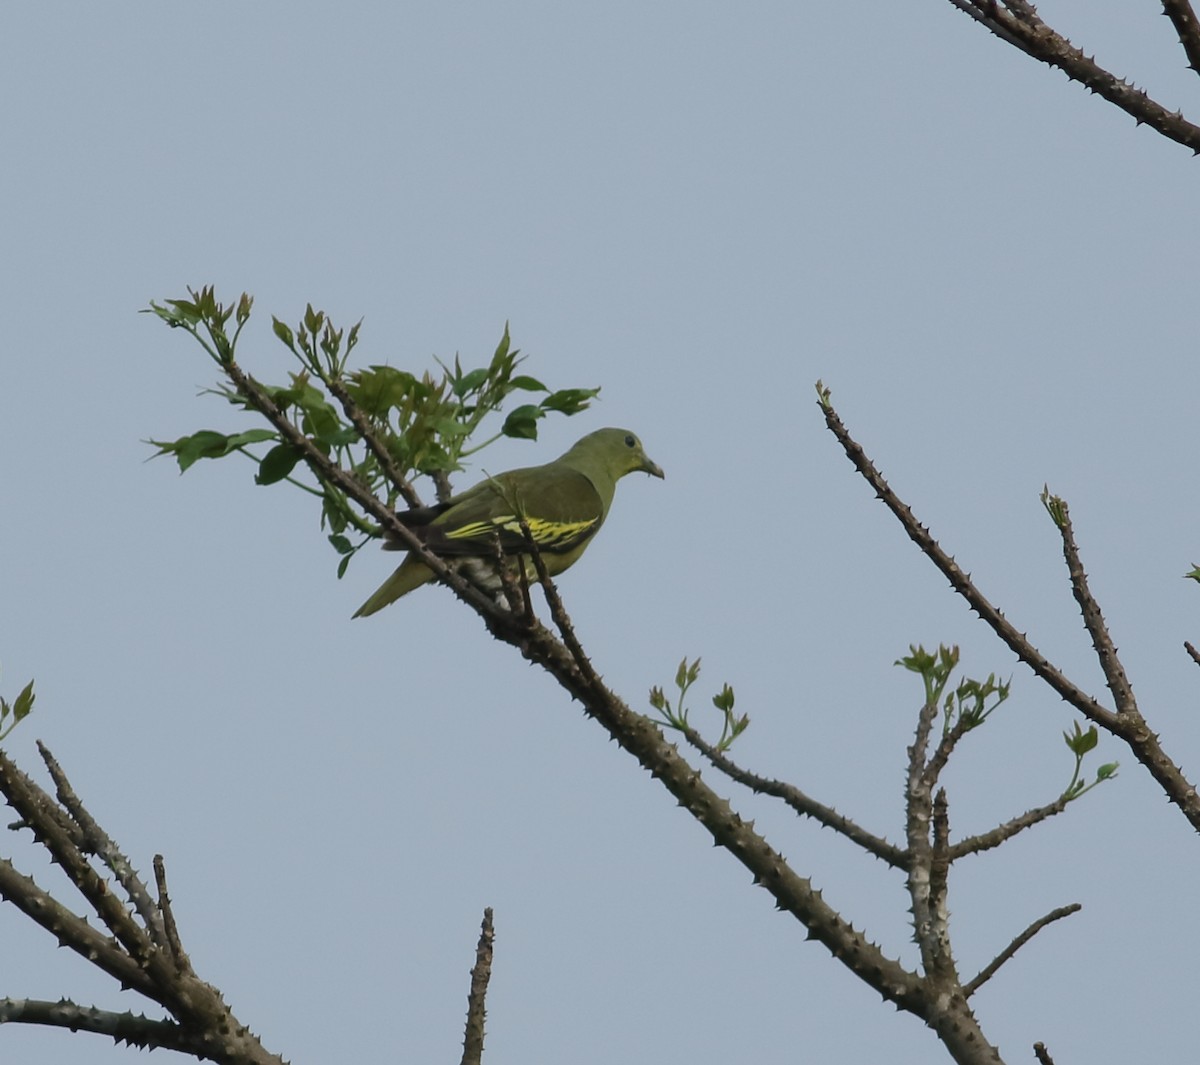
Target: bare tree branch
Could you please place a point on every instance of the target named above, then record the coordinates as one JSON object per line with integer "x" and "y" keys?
{"x": 481, "y": 973}
{"x": 134, "y": 1029}
{"x": 1042, "y": 1054}
{"x": 205, "y": 1026}
{"x": 989, "y": 970}
{"x": 1128, "y": 725}
{"x": 171, "y": 933}
{"x": 961, "y": 582}
{"x": 1093, "y": 619}
{"x": 895, "y": 856}
{"x": 97, "y": 841}
{"x": 993, "y": 838}
{"x": 1017, "y": 24}
{"x": 1183, "y": 18}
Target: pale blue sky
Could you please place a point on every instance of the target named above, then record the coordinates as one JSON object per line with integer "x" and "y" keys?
{"x": 702, "y": 209}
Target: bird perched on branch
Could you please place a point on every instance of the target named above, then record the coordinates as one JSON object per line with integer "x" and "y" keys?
{"x": 564, "y": 503}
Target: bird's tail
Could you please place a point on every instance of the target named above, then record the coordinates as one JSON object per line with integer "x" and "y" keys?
{"x": 410, "y": 574}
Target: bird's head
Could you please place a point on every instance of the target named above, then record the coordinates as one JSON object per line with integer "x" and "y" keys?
{"x": 618, "y": 450}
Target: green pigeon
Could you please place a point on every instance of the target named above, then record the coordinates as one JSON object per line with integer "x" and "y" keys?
{"x": 564, "y": 504}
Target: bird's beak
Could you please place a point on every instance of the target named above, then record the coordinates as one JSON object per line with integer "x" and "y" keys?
{"x": 654, "y": 469}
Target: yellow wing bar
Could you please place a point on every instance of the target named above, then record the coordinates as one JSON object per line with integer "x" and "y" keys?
{"x": 548, "y": 535}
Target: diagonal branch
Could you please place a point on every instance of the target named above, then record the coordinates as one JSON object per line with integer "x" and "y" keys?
{"x": 993, "y": 838}
{"x": 989, "y": 970}
{"x": 35, "y": 807}
{"x": 1128, "y": 725}
{"x": 96, "y": 840}
{"x": 804, "y": 805}
{"x": 139, "y": 1031}
{"x": 71, "y": 930}
{"x": 481, "y": 973}
{"x": 1183, "y": 18}
{"x": 376, "y": 446}
{"x": 1093, "y": 619}
{"x": 961, "y": 582}
{"x": 206, "y": 1027}
{"x": 1016, "y": 24}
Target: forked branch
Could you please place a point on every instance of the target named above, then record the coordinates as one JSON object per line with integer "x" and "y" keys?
{"x": 1018, "y": 23}
{"x": 1126, "y": 723}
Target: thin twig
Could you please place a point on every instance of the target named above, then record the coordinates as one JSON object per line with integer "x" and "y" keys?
{"x": 961, "y": 582}
{"x": 945, "y": 747}
{"x": 369, "y": 437}
{"x": 36, "y": 807}
{"x": 1093, "y": 619}
{"x": 989, "y": 970}
{"x": 168, "y": 917}
{"x": 804, "y": 805}
{"x": 558, "y": 612}
{"x": 481, "y": 973}
{"x": 1042, "y": 1054}
{"x": 993, "y": 838}
{"x": 1195, "y": 655}
{"x": 98, "y": 842}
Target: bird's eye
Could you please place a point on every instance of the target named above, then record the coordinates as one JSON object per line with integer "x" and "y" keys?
{"x": 630, "y": 440}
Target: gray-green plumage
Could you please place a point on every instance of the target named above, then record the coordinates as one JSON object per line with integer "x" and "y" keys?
{"x": 563, "y": 502}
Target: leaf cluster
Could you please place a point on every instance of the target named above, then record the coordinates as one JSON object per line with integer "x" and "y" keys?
{"x": 384, "y": 425}
{"x": 675, "y": 715}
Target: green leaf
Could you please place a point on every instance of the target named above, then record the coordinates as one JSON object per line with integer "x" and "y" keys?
{"x": 1081, "y": 742}
{"x": 379, "y": 389}
{"x": 501, "y": 350}
{"x": 277, "y": 464}
{"x": 521, "y": 423}
{"x": 469, "y": 382}
{"x": 284, "y": 332}
{"x": 570, "y": 400}
{"x": 341, "y": 570}
{"x": 341, "y": 544}
{"x": 527, "y": 384}
{"x": 313, "y": 320}
{"x": 185, "y": 311}
{"x": 23, "y": 703}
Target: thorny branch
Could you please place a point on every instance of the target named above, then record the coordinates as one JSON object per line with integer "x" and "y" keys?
{"x": 1017, "y": 23}
{"x": 989, "y": 970}
{"x": 481, "y": 973}
{"x": 1127, "y": 723}
{"x": 141, "y": 952}
{"x": 803, "y": 804}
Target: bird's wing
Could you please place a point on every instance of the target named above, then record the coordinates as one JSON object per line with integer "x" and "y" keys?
{"x": 560, "y": 505}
